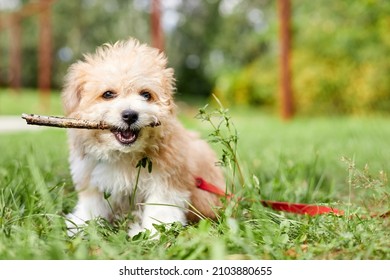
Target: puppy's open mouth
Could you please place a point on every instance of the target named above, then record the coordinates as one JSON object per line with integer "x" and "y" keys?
{"x": 125, "y": 137}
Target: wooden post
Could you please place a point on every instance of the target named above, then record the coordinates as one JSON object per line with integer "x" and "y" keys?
{"x": 15, "y": 70}
{"x": 285, "y": 90}
{"x": 157, "y": 32}
{"x": 44, "y": 53}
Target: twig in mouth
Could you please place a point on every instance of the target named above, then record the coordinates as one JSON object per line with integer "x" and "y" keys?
{"x": 64, "y": 122}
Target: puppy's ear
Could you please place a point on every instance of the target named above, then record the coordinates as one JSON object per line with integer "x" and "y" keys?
{"x": 169, "y": 86}
{"x": 73, "y": 87}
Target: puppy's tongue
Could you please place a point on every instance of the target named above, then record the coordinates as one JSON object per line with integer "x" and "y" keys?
{"x": 126, "y": 137}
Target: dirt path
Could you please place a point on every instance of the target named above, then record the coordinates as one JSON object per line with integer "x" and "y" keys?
{"x": 15, "y": 124}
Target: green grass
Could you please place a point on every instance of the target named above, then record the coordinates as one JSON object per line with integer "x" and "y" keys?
{"x": 299, "y": 161}
{"x": 29, "y": 101}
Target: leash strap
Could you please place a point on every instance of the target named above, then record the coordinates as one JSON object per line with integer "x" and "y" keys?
{"x": 297, "y": 208}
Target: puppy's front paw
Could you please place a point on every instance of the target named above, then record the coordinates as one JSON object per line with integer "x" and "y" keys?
{"x": 73, "y": 224}
{"x": 136, "y": 228}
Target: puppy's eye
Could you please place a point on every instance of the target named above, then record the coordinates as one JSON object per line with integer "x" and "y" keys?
{"x": 147, "y": 95}
{"x": 108, "y": 94}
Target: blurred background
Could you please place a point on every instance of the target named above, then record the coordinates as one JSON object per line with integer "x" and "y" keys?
{"x": 324, "y": 65}
{"x": 336, "y": 54}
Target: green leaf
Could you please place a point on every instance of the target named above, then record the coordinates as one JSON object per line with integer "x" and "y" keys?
{"x": 150, "y": 166}
{"x": 106, "y": 195}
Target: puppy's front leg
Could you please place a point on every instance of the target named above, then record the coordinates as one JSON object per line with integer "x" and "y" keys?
{"x": 161, "y": 208}
{"x": 91, "y": 204}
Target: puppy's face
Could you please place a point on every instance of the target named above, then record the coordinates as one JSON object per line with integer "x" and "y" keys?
{"x": 126, "y": 85}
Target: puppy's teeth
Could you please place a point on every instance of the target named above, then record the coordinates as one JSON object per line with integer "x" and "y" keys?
{"x": 126, "y": 134}
{"x": 125, "y": 137}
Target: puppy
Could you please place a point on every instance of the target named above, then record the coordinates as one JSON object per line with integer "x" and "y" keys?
{"x": 129, "y": 86}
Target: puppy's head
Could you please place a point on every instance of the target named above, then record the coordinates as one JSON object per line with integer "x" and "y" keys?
{"x": 127, "y": 85}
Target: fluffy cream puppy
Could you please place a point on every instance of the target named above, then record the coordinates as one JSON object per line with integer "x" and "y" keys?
{"x": 129, "y": 86}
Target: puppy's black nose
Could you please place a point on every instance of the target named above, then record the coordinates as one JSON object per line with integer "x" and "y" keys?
{"x": 129, "y": 116}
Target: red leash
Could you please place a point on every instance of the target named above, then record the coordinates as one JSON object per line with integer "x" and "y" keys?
{"x": 297, "y": 208}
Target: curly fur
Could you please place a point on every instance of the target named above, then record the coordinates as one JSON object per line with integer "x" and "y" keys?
{"x": 101, "y": 164}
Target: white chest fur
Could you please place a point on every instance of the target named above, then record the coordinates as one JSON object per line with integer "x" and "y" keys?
{"x": 114, "y": 177}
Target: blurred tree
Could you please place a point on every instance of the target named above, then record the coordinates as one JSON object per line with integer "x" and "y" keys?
{"x": 231, "y": 48}
{"x": 340, "y": 59}
{"x": 209, "y": 38}
{"x": 81, "y": 26}
{"x": 190, "y": 44}
{"x": 215, "y": 37}
{"x": 340, "y": 65}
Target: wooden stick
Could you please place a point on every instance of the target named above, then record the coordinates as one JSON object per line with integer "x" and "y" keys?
{"x": 64, "y": 122}
{"x": 71, "y": 123}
